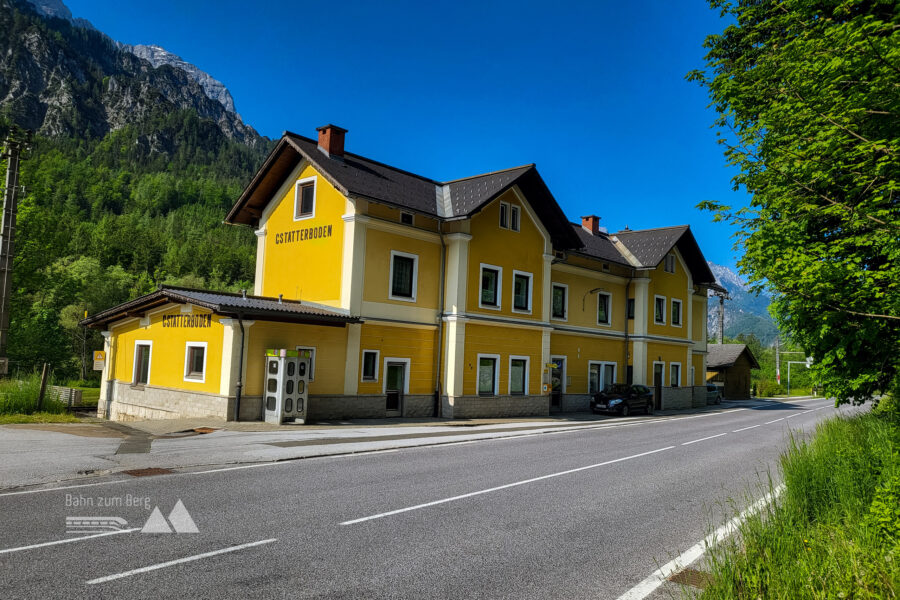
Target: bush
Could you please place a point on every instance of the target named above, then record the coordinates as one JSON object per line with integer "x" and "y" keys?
{"x": 21, "y": 397}
{"x": 767, "y": 388}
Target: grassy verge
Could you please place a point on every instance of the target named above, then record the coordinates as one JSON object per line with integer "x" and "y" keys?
{"x": 21, "y": 397}
{"x": 89, "y": 396}
{"x": 38, "y": 417}
{"x": 835, "y": 532}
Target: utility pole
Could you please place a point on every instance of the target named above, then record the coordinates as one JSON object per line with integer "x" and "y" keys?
{"x": 722, "y": 294}
{"x": 14, "y": 145}
{"x": 777, "y": 361}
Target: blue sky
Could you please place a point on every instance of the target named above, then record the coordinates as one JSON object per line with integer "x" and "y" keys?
{"x": 593, "y": 92}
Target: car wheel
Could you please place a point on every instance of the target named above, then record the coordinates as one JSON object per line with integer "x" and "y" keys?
{"x": 625, "y": 410}
{"x": 650, "y": 406}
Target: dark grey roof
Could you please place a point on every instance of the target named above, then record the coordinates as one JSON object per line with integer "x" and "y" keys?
{"x": 598, "y": 246}
{"x": 649, "y": 246}
{"x": 722, "y": 356}
{"x": 222, "y": 303}
{"x": 469, "y": 194}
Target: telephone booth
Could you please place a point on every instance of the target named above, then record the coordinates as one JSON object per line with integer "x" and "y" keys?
{"x": 286, "y": 386}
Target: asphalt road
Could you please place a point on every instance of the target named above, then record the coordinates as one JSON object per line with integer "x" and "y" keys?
{"x": 575, "y": 514}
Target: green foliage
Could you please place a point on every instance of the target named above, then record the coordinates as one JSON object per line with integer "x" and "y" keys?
{"x": 21, "y": 397}
{"x": 833, "y": 533}
{"x": 810, "y": 114}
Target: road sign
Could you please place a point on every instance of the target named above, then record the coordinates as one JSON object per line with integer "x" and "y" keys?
{"x": 99, "y": 360}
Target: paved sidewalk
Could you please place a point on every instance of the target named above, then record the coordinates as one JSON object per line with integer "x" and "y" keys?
{"x": 60, "y": 452}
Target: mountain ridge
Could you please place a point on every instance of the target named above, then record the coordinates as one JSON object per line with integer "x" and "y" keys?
{"x": 745, "y": 312}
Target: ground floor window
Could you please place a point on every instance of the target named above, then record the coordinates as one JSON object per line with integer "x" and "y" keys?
{"x": 142, "y": 352}
{"x": 518, "y": 375}
{"x": 487, "y": 375}
{"x": 370, "y": 365}
{"x": 195, "y": 362}
{"x": 600, "y": 375}
{"x": 675, "y": 374}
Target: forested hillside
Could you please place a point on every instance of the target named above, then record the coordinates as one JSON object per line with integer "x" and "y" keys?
{"x": 112, "y": 209}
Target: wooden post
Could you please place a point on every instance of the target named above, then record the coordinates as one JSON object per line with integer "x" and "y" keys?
{"x": 44, "y": 374}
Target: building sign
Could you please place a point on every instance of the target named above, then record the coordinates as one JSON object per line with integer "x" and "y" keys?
{"x": 187, "y": 321}
{"x": 99, "y": 360}
{"x": 301, "y": 235}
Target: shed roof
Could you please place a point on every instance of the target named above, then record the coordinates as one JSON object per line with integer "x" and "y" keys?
{"x": 722, "y": 356}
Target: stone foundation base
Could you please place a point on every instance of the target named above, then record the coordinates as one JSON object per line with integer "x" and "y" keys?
{"x": 677, "y": 397}
{"x": 576, "y": 403}
{"x": 478, "y": 407}
{"x": 134, "y": 403}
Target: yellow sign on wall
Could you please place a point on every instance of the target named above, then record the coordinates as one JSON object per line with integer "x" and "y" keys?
{"x": 99, "y": 360}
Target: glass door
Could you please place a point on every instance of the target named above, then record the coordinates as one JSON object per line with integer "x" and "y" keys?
{"x": 395, "y": 379}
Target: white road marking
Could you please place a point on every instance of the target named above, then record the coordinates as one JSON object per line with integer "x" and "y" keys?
{"x": 178, "y": 561}
{"x": 648, "y": 585}
{"x": 775, "y": 421}
{"x": 65, "y": 487}
{"x": 67, "y": 540}
{"x": 746, "y": 428}
{"x": 500, "y": 487}
{"x": 704, "y": 439}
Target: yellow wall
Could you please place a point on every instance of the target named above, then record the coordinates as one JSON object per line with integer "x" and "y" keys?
{"x": 584, "y": 314}
{"x": 380, "y": 211}
{"x": 331, "y": 353}
{"x": 698, "y": 369}
{"x": 169, "y": 347}
{"x": 670, "y": 285}
{"x": 296, "y": 263}
{"x": 698, "y": 325}
{"x": 580, "y": 351}
{"x": 668, "y": 353}
{"x": 377, "y": 285}
{"x": 505, "y": 341}
{"x": 521, "y": 250}
{"x": 400, "y": 342}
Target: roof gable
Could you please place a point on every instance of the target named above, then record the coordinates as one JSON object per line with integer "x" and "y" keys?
{"x": 722, "y": 356}
{"x": 650, "y": 246}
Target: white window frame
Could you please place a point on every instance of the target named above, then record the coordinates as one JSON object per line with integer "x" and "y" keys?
{"x": 680, "y": 312}
{"x": 187, "y": 358}
{"x": 664, "y": 307}
{"x": 496, "y": 391}
{"x": 503, "y": 206}
{"x": 499, "y": 286}
{"x": 134, "y": 369}
{"x": 609, "y": 306}
{"x": 602, "y": 363}
{"x": 312, "y": 361}
{"x": 530, "y": 276}
{"x": 527, "y": 360}
{"x": 652, "y": 383}
{"x": 362, "y": 366}
{"x": 675, "y": 364}
{"x": 514, "y": 209}
{"x": 415, "y": 278}
{"x": 565, "y": 316}
{"x": 391, "y": 359}
{"x": 298, "y": 198}
{"x": 565, "y": 370}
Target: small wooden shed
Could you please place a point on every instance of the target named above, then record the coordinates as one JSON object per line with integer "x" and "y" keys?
{"x": 730, "y": 365}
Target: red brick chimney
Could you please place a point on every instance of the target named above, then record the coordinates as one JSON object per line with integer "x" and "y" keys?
{"x": 331, "y": 140}
{"x": 591, "y": 224}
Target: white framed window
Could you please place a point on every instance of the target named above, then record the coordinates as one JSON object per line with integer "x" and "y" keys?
{"x": 305, "y": 198}
{"x": 406, "y": 362}
{"x": 143, "y": 349}
{"x": 559, "y": 376}
{"x": 518, "y": 375}
{"x": 195, "y": 362}
{"x": 659, "y": 368}
{"x": 676, "y": 312}
{"x": 669, "y": 266}
{"x": 601, "y": 374}
{"x": 369, "y": 367}
{"x": 504, "y": 215}
{"x": 522, "y": 291}
{"x": 488, "y": 374}
{"x": 604, "y": 308}
{"x": 312, "y": 360}
{"x": 675, "y": 374}
{"x": 404, "y": 276}
{"x": 659, "y": 310}
{"x": 406, "y": 218}
{"x": 559, "y": 302}
{"x": 491, "y": 287}
{"x": 513, "y": 217}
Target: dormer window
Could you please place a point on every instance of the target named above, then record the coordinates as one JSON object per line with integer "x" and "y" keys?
{"x": 305, "y": 199}
{"x": 670, "y": 263}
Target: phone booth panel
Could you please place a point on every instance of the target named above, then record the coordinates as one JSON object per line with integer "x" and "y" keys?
{"x": 287, "y": 386}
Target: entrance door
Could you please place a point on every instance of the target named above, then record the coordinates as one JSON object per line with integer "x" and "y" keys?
{"x": 395, "y": 380}
{"x": 657, "y": 385}
{"x": 557, "y": 383}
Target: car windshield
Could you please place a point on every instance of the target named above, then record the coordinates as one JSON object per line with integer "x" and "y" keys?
{"x": 616, "y": 388}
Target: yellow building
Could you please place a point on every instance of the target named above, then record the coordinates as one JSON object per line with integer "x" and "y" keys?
{"x": 405, "y": 296}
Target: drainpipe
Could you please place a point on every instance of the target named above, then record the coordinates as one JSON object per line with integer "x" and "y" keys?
{"x": 627, "y": 287}
{"x": 240, "y": 383}
{"x": 438, "y": 404}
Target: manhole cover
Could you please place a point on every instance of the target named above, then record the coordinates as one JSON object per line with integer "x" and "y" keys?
{"x": 147, "y": 472}
{"x": 692, "y": 577}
